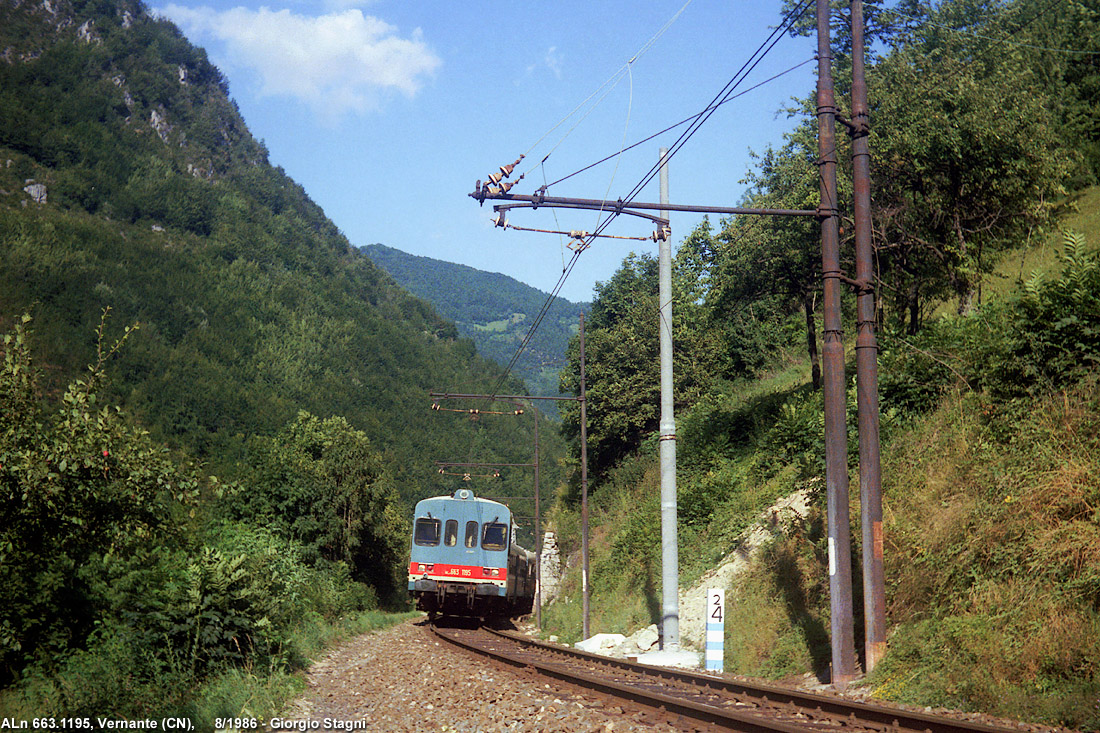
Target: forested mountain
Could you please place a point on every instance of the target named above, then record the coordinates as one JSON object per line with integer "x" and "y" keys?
{"x": 494, "y": 310}
{"x": 128, "y": 180}
{"x": 214, "y": 410}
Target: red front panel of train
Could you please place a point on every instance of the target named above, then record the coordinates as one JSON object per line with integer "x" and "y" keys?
{"x": 457, "y": 572}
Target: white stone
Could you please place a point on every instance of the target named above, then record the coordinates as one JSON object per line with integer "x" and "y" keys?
{"x": 550, "y": 568}
{"x": 647, "y": 638}
{"x": 600, "y": 643}
{"x": 37, "y": 192}
{"x": 682, "y": 659}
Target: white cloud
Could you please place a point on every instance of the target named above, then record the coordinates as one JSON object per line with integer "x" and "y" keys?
{"x": 553, "y": 61}
{"x": 338, "y": 63}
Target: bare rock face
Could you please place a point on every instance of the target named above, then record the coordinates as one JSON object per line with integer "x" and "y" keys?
{"x": 37, "y": 191}
{"x": 158, "y": 120}
{"x": 772, "y": 521}
{"x": 86, "y": 33}
{"x": 550, "y": 568}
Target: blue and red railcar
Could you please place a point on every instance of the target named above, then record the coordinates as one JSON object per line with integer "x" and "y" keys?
{"x": 465, "y": 560}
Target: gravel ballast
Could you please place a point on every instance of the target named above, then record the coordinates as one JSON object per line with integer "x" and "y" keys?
{"x": 402, "y": 679}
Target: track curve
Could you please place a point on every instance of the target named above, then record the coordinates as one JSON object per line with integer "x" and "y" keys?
{"x": 708, "y": 701}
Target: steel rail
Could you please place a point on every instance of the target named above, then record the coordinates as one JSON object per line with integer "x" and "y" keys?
{"x": 648, "y": 698}
{"x": 853, "y": 714}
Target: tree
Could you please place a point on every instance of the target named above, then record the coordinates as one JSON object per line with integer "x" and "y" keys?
{"x": 320, "y": 483}
{"x": 952, "y": 181}
{"x": 775, "y": 258}
{"x": 623, "y": 355}
{"x": 77, "y": 483}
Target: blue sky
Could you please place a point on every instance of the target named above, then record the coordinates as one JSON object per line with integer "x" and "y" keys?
{"x": 388, "y": 111}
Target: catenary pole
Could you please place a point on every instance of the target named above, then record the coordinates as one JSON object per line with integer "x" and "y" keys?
{"x": 870, "y": 468}
{"x": 836, "y": 439}
{"x": 584, "y": 492}
{"x": 670, "y": 557}
{"x": 538, "y": 530}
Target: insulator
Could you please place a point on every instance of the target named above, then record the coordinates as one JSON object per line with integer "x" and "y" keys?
{"x": 466, "y": 477}
{"x": 576, "y": 234}
{"x": 435, "y": 405}
{"x": 661, "y": 234}
{"x": 578, "y": 245}
{"x": 443, "y": 470}
{"x": 496, "y": 177}
{"x": 507, "y": 185}
{"x": 500, "y": 220}
{"x": 493, "y": 190}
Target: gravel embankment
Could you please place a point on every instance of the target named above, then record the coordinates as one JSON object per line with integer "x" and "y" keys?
{"x": 403, "y": 680}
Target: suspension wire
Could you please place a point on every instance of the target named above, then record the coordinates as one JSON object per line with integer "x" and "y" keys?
{"x": 681, "y": 122}
{"x": 622, "y": 144}
{"x": 474, "y": 411}
{"x": 753, "y": 61}
{"x": 722, "y": 95}
{"x": 613, "y": 80}
{"x": 538, "y": 320}
{"x": 561, "y": 244}
{"x": 469, "y": 476}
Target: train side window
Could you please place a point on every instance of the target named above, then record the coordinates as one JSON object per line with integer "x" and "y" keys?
{"x": 471, "y": 534}
{"x": 427, "y": 531}
{"x": 494, "y": 536}
{"x": 450, "y": 533}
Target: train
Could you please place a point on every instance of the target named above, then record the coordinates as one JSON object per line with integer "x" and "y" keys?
{"x": 465, "y": 561}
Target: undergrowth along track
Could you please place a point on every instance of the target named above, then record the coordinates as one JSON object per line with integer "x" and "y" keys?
{"x": 702, "y": 700}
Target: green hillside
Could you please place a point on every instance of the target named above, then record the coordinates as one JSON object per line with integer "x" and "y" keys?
{"x": 155, "y": 201}
{"x": 493, "y": 310}
{"x": 214, "y": 411}
{"x": 988, "y": 384}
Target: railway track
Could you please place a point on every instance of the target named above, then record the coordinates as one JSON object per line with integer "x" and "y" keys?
{"x": 691, "y": 699}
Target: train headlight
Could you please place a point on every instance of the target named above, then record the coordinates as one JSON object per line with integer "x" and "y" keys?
{"x": 491, "y": 572}
{"x": 425, "y": 567}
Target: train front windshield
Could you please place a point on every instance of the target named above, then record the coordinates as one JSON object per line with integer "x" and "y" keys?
{"x": 494, "y": 536}
{"x": 427, "y": 531}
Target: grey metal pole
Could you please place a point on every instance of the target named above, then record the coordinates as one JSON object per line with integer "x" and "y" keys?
{"x": 538, "y": 531}
{"x": 870, "y": 466}
{"x": 584, "y": 493}
{"x": 670, "y": 558}
{"x": 836, "y": 440}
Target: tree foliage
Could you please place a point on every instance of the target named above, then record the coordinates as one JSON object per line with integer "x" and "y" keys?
{"x": 78, "y": 483}
{"x": 321, "y": 484}
{"x": 253, "y": 305}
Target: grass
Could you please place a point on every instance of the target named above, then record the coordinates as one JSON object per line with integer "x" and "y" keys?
{"x": 992, "y": 529}
{"x": 102, "y": 682}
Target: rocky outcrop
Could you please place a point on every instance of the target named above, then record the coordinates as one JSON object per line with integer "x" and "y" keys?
{"x": 37, "y": 191}
{"x": 771, "y": 522}
{"x": 550, "y": 568}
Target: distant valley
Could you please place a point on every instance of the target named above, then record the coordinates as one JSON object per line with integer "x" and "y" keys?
{"x": 493, "y": 310}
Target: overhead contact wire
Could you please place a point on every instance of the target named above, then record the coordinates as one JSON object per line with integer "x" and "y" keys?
{"x": 722, "y": 96}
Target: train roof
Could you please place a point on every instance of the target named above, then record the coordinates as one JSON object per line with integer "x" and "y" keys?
{"x": 465, "y": 496}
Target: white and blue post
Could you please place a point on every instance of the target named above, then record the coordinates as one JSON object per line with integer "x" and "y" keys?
{"x": 716, "y": 628}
